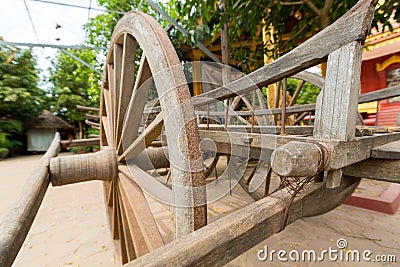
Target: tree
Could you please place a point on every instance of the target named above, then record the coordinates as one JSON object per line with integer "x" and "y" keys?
{"x": 286, "y": 22}
{"x": 20, "y": 96}
{"x": 74, "y": 84}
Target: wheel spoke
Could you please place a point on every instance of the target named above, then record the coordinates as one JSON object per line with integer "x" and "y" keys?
{"x": 132, "y": 219}
{"x": 115, "y": 210}
{"x": 145, "y": 139}
{"x": 147, "y": 182}
{"x": 127, "y": 247}
{"x": 296, "y": 93}
{"x": 126, "y": 83}
{"x": 108, "y": 104}
{"x": 109, "y": 98}
{"x": 107, "y": 130}
{"x": 134, "y": 198}
{"x": 136, "y": 104}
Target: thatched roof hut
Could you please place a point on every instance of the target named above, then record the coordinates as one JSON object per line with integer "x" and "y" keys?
{"x": 41, "y": 130}
{"x": 47, "y": 120}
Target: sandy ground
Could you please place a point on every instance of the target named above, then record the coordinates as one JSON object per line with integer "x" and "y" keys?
{"x": 71, "y": 227}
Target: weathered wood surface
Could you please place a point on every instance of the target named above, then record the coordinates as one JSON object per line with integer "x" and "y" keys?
{"x": 292, "y": 130}
{"x": 139, "y": 224}
{"x": 262, "y": 145}
{"x": 80, "y": 142}
{"x": 101, "y": 166}
{"x": 377, "y": 169}
{"x": 364, "y": 98}
{"x": 387, "y": 151}
{"x": 15, "y": 226}
{"x": 94, "y": 125}
{"x": 353, "y": 26}
{"x": 298, "y": 159}
{"x": 92, "y": 117}
{"x": 220, "y": 242}
{"x": 289, "y": 130}
{"x": 83, "y": 108}
{"x": 380, "y": 94}
{"x": 336, "y": 109}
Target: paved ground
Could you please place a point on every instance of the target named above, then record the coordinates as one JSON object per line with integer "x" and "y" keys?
{"x": 71, "y": 227}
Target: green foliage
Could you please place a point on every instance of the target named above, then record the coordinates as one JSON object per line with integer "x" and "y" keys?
{"x": 74, "y": 84}
{"x": 10, "y": 134}
{"x": 308, "y": 93}
{"x": 20, "y": 96}
{"x": 246, "y": 18}
{"x": 87, "y": 149}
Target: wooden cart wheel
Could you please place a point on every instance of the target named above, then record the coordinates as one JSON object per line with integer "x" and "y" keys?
{"x": 139, "y": 38}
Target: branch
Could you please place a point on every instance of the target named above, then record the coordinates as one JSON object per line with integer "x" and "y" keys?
{"x": 313, "y": 7}
{"x": 292, "y": 3}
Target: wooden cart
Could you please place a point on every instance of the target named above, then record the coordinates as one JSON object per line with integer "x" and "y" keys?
{"x": 149, "y": 117}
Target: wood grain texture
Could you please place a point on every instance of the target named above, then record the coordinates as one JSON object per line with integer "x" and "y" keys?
{"x": 377, "y": 169}
{"x": 80, "y": 142}
{"x": 101, "y": 166}
{"x": 220, "y": 242}
{"x": 336, "y": 109}
{"x": 387, "y": 151}
{"x": 15, "y": 226}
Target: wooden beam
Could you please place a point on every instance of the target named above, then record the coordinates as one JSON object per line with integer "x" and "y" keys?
{"x": 222, "y": 241}
{"x": 262, "y": 145}
{"x": 15, "y": 225}
{"x": 83, "y": 108}
{"x": 80, "y": 142}
{"x": 387, "y": 151}
{"x": 376, "y": 169}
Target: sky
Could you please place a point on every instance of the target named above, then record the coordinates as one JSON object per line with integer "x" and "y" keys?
{"x": 15, "y": 25}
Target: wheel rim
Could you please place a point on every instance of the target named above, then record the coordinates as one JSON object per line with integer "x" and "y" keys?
{"x": 125, "y": 89}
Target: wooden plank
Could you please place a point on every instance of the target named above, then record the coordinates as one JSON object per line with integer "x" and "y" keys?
{"x": 353, "y": 26}
{"x": 94, "y": 125}
{"x": 139, "y": 211}
{"x": 220, "y": 242}
{"x": 377, "y": 169}
{"x": 80, "y": 142}
{"x": 292, "y": 130}
{"x": 83, "y": 108}
{"x": 92, "y": 117}
{"x": 387, "y": 151}
{"x": 364, "y": 98}
{"x": 380, "y": 94}
{"x": 262, "y": 145}
{"x": 15, "y": 225}
{"x": 336, "y": 109}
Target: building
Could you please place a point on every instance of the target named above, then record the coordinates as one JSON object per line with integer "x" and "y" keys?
{"x": 41, "y": 130}
{"x": 381, "y": 69}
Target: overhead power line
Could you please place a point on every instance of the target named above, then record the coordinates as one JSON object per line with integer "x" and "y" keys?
{"x": 30, "y": 18}
{"x": 76, "y": 6}
{"x": 48, "y": 45}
